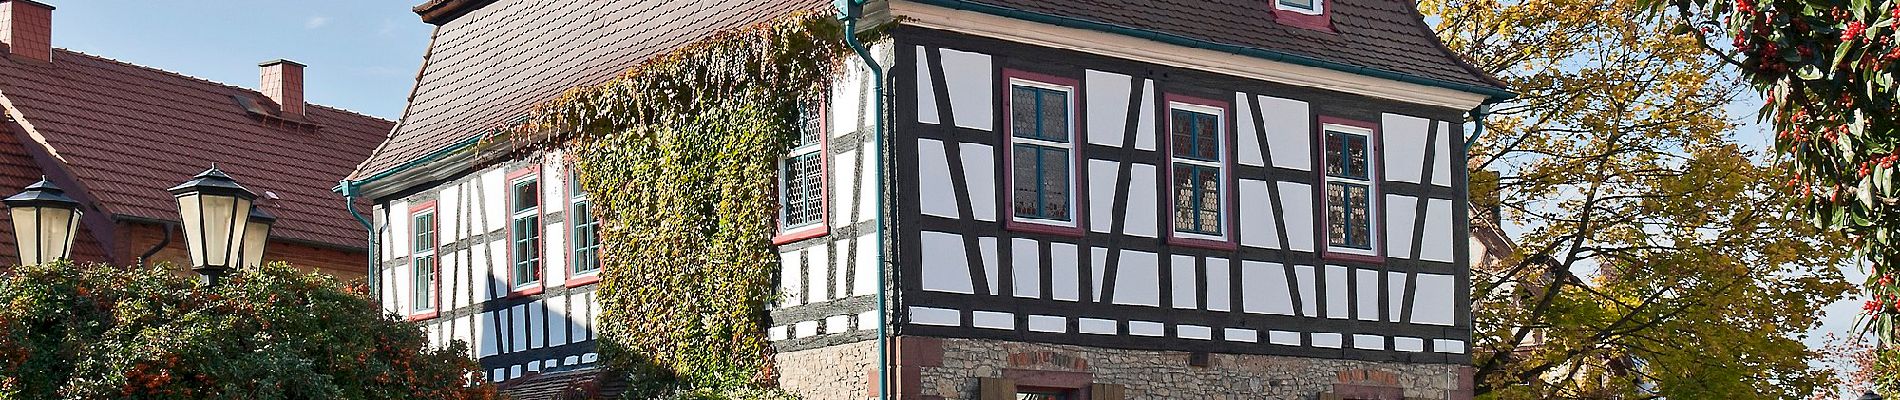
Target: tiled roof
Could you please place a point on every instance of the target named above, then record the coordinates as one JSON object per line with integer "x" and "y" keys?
{"x": 129, "y": 132}
{"x": 588, "y": 383}
{"x": 1387, "y": 35}
{"x": 487, "y": 67}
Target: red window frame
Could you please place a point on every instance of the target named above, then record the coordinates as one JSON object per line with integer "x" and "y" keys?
{"x": 435, "y": 236}
{"x": 1228, "y": 197}
{"x": 1323, "y": 21}
{"x": 1077, "y": 209}
{"x": 591, "y": 277}
{"x": 823, "y": 227}
{"x": 540, "y": 240}
{"x": 1375, "y": 175}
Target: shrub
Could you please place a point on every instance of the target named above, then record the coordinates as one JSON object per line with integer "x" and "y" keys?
{"x": 99, "y": 331}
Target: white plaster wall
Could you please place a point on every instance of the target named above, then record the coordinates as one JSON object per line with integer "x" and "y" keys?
{"x": 969, "y": 78}
{"x": 1107, "y": 101}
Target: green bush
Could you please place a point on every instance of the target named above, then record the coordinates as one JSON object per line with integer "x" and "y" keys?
{"x": 98, "y": 331}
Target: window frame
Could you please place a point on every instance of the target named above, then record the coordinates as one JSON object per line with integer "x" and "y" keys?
{"x": 514, "y": 179}
{"x": 1223, "y": 115}
{"x": 823, "y": 149}
{"x": 1077, "y": 224}
{"x": 1319, "y": 18}
{"x": 575, "y": 198}
{"x": 434, "y": 250}
{"x": 1375, "y": 175}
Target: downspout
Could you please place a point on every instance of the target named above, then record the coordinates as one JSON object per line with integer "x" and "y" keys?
{"x": 850, "y": 11}
{"x": 1477, "y": 121}
{"x": 348, "y": 189}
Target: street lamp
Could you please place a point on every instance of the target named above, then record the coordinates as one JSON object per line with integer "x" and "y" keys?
{"x": 44, "y": 221}
{"x": 256, "y": 233}
{"x": 1870, "y": 395}
{"x": 214, "y": 210}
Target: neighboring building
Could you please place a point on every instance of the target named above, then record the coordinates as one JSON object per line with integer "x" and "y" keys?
{"x": 117, "y": 135}
{"x": 1086, "y": 199}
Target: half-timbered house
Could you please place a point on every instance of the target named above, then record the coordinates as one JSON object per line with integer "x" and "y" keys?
{"x": 1075, "y": 199}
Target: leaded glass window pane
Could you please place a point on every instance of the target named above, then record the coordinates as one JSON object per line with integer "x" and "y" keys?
{"x": 1027, "y": 181}
{"x": 803, "y": 190}
{"x": 1022, "y": 112}
{"x": 1054, "y": 170}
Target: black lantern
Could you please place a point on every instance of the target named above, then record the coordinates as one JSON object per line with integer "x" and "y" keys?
{"x": 256, "y": 234}
{"x": 213, "y": 210}
{"x": 1870, "y": 395}
{"x": 44, "y": 221}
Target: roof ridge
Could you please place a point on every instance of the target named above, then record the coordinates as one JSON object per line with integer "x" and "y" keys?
{"x": 202, "y": 80}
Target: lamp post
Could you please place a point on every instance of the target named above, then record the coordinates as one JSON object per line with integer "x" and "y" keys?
{"x": 256, "y": 234}
{"x": 214, "y": 210}
{"x": 44, "y": 221}
{"x": 1870, "y": 395}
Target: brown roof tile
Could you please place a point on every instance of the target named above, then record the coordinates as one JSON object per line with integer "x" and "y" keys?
{"x": 487, "y": 67}
{"x": 1387, "y": 35}
{"x": 128, "y": 132}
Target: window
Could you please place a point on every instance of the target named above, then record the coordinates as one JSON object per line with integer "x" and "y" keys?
{"x": 1198, "y": 159}
{"x": 1034, "y": 394}
{"x": 423, "y": 263}
{"x": 1042, "y": 139}
{"x": 1309, "y": 7}
{"x": 1304, "y": 14}
{"x": 524, "y": 205}
{"x": 802, "y": 179}
{"x": 1351, "y": 197}
{"x": 585, "y": 238}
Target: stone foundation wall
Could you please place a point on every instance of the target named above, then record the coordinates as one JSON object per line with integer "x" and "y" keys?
{"x": 846, "y": 371}
{"x": 952, "y": 371}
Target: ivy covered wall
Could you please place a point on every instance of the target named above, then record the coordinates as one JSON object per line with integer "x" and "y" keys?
{"x": 680, "y": 155}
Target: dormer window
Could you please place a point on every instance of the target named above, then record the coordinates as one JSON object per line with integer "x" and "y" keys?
{"x": 1305, "y": 14}
{"x": 1308, "y": 7}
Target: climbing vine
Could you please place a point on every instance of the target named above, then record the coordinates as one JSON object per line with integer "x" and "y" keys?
{"x": 680, "y": 156}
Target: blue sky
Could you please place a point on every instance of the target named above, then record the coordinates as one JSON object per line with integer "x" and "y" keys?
{"x": 362, "y": 54}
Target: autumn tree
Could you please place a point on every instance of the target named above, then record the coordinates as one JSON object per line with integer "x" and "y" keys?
{"x": 1656, "y": 254}
{"x": 103, "y": 332}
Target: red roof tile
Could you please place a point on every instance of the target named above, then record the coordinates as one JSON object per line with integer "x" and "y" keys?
{"x": 128, "y": 132}
{"x": 488, "y": 66}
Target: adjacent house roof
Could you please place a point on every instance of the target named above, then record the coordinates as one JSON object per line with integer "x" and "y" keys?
{"x": 127, "y": 132}
{"x": 1383, "y": 35}
{"x": 489, "y": 63}
{"x": 18, "y": 170}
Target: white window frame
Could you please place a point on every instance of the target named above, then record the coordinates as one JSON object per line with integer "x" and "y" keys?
{"x": 1219, "y": 164}
{"x": 435, "y": 263}
{"x": 576, "y": 199}
{"x": 1374, "y": 207}
{"x": 514, "y": 236}
{"x": 1010, "y": 136}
